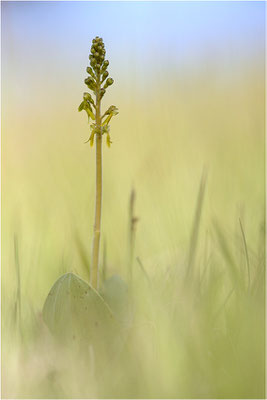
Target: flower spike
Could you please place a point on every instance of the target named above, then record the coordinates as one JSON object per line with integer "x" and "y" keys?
{"x": 98, "y": 75}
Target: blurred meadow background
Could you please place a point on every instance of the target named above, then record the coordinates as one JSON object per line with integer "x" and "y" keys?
{"x": 189, "y": 85}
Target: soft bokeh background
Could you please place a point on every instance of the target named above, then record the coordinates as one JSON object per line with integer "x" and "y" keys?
{"x": 189, "y": 85}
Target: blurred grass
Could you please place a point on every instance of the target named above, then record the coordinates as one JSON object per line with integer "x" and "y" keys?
{"x": 203, "y": 340}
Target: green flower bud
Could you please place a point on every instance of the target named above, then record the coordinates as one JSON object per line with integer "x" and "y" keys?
{"x": 109, "y": 82}
{"x": 102, "y": 92}
{"x": 104, "y": 66}
{"x": 89, "y": 80}
{"x": 90, "y": 71}
{"x": 87, "y": 97}
{"x": 105, "y": 75}
{"x": 97, "y": 55}
{"x": 90, "y": 83}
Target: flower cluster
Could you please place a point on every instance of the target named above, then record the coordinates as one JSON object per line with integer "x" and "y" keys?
{"x": 97, "y": 81}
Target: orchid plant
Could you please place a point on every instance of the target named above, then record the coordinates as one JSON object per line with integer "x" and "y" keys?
{"x": 97, "y": 81}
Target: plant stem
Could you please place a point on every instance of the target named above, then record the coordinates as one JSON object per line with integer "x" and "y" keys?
{"x": 98, "y": 198}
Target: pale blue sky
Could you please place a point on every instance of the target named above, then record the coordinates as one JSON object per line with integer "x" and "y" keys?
{"x": 175, "y": 29}
{"x": 49, "y": 42}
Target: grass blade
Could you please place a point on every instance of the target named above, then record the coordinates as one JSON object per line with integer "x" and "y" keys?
{"x": 226, "y": 252}
{"x": 143, "y": 269}
{"x": 17, "y": 264}
{"x": 246, "y": 251}
{"x": 132, "y": 225}
{"x": 195, "y": 226}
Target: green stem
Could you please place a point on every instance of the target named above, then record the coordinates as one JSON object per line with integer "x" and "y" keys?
{"x": 98, "y": 199}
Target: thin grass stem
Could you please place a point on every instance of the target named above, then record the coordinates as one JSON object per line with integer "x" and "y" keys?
{"x": 246, "y": 251}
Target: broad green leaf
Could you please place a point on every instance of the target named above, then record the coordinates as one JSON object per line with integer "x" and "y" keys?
{"x": 74, "y": 311}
